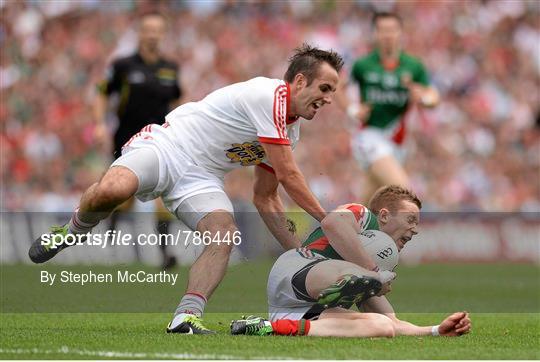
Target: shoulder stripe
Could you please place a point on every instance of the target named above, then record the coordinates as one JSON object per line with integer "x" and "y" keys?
{"x": 280, "y": 110}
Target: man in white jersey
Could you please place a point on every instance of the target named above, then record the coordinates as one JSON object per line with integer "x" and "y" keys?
{"x": 184, "y": 161}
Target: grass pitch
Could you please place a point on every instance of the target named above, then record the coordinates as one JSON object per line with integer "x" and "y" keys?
{"x": 503, "y": 300}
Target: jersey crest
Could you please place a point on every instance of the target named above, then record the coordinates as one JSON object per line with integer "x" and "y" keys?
{"x": 247, "y": 153}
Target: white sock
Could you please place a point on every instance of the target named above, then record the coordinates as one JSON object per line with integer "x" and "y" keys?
{"x": 77, "y": 226}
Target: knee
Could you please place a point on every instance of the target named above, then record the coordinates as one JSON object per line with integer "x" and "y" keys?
{"x": 221, "y": 227}
{"x": 218, "y": 221}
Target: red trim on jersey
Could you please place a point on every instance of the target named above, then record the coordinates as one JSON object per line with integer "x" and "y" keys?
{"x": 357, "y": 209}
{"x": 290, "y": 119}
{"x": 267, "y": 167}
{"x": 280, "y": 110}
{"x": 319, "y": 244}
{"x": 275, "y": 141}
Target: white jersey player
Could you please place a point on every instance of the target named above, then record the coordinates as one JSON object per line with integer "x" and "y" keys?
{"x": 201, "y": 141}
{"x": 184, "y": 161}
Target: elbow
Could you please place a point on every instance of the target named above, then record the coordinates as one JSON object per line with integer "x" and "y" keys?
{"x": 330, "y": 223}
{"x": 288, "y": 176}
{"x": 263, "y": 200}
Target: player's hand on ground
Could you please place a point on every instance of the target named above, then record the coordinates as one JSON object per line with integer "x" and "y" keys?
{"x": 456, "y": 324}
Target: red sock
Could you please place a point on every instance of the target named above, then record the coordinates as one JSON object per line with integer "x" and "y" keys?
{"x": 288, "y": 327}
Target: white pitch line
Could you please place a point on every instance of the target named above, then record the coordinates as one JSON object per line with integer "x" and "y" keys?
{"x": 116, "y": 354}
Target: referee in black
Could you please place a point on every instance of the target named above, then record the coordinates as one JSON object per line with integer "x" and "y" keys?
{"x": 147, "y": 87}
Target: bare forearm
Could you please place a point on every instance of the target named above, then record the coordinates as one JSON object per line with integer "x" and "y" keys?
{"x": 403, "y": 328}
{"x": 353, "y": 252}
{"x": 273, "y": 214}
{"x": 381, "y": 305}
{"x": 296, "y": 187}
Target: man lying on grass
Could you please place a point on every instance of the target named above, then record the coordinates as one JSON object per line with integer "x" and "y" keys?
{"x": 311, "y": 289}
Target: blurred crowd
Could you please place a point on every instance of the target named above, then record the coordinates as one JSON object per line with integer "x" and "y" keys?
{"x": 479, "y": 150}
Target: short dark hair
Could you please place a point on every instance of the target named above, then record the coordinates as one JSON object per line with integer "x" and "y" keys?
{"x": 306, "y": 60}
{"x": 390, "y": 197}
{"x": 385, "y": 14}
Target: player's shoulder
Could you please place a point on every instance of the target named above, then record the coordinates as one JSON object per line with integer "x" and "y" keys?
{"x": 351, "y": 204}
{"x": 364, "y": 63}
{"x": 369, "y": 58}
{"x": 261, "y": 88}
{"x": 264, "y": 83}
{"x": 357, "y": 209}
{"x": 411, "y": 59}
{"x": 125, "y": 60}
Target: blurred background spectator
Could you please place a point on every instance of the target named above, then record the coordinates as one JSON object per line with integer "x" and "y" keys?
{"x": 479, "y": 150}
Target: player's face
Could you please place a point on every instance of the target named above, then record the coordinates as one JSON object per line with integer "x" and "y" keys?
{"x": 388, "y": 33}
{"x": 310, "y": 98}
{"x": 402, "y": 225}
{"x": 151, "y": 32}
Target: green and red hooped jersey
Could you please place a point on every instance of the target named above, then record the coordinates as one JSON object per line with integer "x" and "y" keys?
{"x": 383, "y": 88}
{"x": 318, "y": 243}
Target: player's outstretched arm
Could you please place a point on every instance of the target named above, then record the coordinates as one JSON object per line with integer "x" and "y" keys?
{"x": 267, "y": 201}
{"x": 288, "y": 174}
{"x": 454, "y": 325}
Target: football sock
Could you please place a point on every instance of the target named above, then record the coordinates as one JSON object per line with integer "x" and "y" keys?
{"x": 191, "y": 303}
{"x": 288, "y": 327}
{"x": 78, "y": 226}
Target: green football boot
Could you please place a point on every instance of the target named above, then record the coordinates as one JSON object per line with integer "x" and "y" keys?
{"x": 252, "y": 326}
{"x": 42, "y": 249}
{"x": 348, "y": 290}
{"x": 191, "y": 324}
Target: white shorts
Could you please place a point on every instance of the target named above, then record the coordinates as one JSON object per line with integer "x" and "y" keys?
{"x": 188, "y": 191}
{"x": 286, "y": 297}
{"x": 371, "y": 144}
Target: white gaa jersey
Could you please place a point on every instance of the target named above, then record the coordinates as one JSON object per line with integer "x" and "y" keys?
{"x": 225, "y": 130}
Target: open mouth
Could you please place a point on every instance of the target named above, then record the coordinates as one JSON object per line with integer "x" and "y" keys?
{"x": 317, "y": 105}
{"x": 402, "y": 241}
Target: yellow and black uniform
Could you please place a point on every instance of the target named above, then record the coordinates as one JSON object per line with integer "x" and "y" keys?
{"x": 145, "y": 92}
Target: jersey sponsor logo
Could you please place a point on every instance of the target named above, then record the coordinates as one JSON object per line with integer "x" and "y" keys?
{"x": 390, "y": 80}
{"x": 247, "y": 153}
{"x": 377, "y": 96}
{"x": 372, "y": 77}
{"x": 383, "y": 254}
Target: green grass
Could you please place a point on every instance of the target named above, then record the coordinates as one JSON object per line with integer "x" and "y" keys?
{"x": 503, "y": 300}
